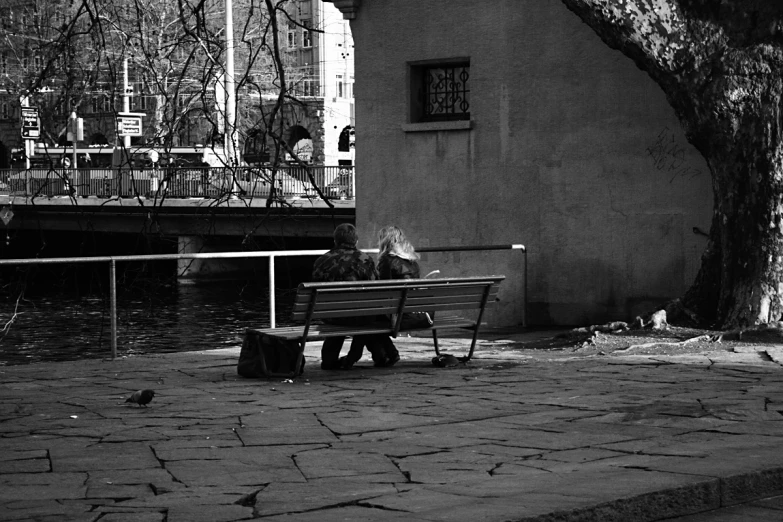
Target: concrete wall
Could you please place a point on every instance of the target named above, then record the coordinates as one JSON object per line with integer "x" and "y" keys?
{"x": 573, "y": 151}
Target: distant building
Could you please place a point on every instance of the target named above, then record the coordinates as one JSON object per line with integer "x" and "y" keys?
{"x": 323, "y": 72}
{"x": 509, "y": 121}
{"x": 317, "y": 51}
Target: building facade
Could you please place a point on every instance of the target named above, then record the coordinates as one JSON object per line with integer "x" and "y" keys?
{"x": 508, "y": 122}
{"x": 323, "y": 72}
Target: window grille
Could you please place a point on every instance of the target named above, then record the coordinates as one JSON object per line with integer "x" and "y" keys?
{"x": 446, "y": 92}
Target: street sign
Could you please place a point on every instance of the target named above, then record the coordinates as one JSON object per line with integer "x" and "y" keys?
{"x": 31, "y": 126}
{"x": 129, "y": 124}
{"x": 6, "y": 214}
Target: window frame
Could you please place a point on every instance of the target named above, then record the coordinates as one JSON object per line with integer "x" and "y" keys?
{"x": 417, "y": 119}
{"x": 307, "y": 35}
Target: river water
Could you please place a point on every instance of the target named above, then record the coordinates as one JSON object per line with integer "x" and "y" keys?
{"x": 153, "y": 317}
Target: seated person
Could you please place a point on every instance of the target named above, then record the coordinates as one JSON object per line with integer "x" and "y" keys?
{"x": 345, "y": 262}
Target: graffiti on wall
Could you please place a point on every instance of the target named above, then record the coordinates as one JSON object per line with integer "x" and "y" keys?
{"x": 669, "y": 157}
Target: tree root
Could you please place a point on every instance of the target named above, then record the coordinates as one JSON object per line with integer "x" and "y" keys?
{"x": 700, "y": 338}
{"x": 763, "y": 333}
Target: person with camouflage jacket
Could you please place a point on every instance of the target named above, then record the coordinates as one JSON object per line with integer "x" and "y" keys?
{"x": 345, "y": 262}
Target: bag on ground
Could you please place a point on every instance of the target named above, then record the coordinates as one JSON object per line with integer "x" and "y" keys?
{"x": 263, "y": 356}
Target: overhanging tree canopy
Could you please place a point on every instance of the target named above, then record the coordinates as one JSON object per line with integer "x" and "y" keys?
{"x": 719, "y": 63}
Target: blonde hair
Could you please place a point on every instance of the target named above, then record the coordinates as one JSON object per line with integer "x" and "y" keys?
{"x": 392, "y": 241}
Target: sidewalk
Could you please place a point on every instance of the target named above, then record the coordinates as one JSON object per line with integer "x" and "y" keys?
{"x": 515, "y": 435}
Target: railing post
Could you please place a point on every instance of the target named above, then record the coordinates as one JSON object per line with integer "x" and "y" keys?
{"x": 113, "y": 300}
{"x": 272, "y": 291}
{"x": 524, "y": 302}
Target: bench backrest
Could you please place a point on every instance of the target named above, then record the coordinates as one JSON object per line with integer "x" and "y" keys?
{"x": 363, "y": 298}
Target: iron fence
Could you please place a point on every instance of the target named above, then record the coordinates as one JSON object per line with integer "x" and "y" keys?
{"x": 113, "y": 260}
{"x": 190, "y": 182}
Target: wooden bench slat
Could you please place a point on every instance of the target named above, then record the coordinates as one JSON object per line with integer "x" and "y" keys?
{"x": 392, "y": 300}
{"x": 412, "y": 305}
{"x": 323, "y": 331}
{"x": 403, "y": 282}
{"x": 348, "y": 295}
{"x": 338, "y": 294}
{"x": 353, "y": 303}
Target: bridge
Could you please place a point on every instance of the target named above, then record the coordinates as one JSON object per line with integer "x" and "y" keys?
{"x": 120, "y": 200}
{"x": 204, "y": 209}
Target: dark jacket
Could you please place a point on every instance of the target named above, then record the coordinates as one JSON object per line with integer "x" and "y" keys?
{"x": 393, "y": 267}
{"x": 344, "y": 263}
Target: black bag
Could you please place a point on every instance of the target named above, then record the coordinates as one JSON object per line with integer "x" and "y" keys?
{"x": 413, "y": 320}
{"x": 263, "y": 356}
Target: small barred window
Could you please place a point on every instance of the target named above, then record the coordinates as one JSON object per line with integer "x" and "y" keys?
{"x": 440, "y": 90}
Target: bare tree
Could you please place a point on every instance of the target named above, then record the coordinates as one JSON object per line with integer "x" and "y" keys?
{"x": 175, "y": 52}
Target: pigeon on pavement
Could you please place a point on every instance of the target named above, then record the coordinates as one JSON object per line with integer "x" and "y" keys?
{"x": 141, "y": 397}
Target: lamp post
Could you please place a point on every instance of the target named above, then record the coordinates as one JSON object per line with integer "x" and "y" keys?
{"x": 229, "y": 145}
{"x": 73, "y": 182}
{"x": 125, "y": 97}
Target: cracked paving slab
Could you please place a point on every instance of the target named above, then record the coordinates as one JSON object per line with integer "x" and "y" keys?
{"x": 512, "y": 435}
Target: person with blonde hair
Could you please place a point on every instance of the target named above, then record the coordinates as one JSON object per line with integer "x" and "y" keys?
{"x": 397, "y": 258}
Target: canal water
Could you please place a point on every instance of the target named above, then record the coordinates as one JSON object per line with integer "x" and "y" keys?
{"x": 153, "y": 317}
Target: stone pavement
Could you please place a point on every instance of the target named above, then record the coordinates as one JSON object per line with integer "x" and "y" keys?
{"x": 515, "y": 435}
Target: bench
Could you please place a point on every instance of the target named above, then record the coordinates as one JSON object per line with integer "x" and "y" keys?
{"x": 316, "y": 302}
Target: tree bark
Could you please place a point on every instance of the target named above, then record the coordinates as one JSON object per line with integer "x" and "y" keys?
{"x": 720, "y": 64}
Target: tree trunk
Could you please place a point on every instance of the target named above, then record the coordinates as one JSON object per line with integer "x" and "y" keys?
{"x": 721, "y": 66}
{"x": 737, "y": 127}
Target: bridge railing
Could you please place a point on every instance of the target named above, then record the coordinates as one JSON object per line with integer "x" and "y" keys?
{"x": 182, "y": 182}
{"x": 113, "y": 260}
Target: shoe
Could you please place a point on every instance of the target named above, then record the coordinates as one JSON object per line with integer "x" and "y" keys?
{"x": 345, "y": 363}
{"x": 391, "y": 361}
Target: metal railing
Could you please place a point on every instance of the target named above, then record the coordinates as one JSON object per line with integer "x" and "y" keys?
{"x": 113, "y": 260}
{"x": 195, "y": 182}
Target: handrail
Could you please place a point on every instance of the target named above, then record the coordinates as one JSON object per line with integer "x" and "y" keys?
{"x": 112, "y": 260}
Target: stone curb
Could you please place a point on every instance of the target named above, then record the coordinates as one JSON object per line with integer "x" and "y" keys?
{"x": 702, "y": 497}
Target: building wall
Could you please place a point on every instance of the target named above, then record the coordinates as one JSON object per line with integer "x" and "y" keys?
{"x": 336, "y": 53}
{"x": 573, "y": 152}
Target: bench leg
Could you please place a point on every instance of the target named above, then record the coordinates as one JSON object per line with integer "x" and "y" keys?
{"x": 435, "y": 341}
{"x": 472, "y": 345}
{"x": 300, "y": 360}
